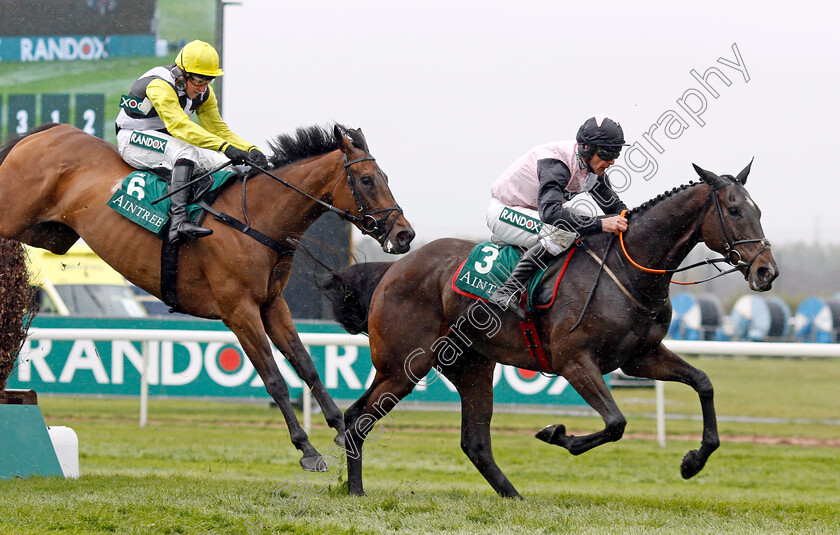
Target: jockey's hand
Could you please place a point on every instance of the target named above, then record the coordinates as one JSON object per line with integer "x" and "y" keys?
{"x": 237, "y": 155}
{"x": 614, "y": 224}
{"x": 256, "y": 157}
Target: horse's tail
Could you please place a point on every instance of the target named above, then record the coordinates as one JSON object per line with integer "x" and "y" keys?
{"x": 350, "y": 291}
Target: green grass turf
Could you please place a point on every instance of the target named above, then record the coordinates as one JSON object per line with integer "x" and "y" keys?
{"x": 205, "y": 467}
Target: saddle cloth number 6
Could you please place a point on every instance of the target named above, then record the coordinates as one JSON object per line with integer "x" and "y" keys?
{"x": 136, "y": 187}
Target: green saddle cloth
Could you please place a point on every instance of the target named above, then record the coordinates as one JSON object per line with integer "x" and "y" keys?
{"x": 134, "y": 199}
{"x": 488, "y": 267}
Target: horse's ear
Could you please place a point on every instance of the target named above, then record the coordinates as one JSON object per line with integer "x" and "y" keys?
{"x": 709, "y": 178}
{"x": 363, "y": 139}
{"x": 742, "y": 176}
{"x": 341, "y": 140}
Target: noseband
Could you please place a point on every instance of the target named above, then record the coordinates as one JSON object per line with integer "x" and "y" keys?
{"x": 368, "y": 223}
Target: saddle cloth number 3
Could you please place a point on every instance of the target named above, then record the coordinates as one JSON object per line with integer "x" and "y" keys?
{"x": 486, "y": 263}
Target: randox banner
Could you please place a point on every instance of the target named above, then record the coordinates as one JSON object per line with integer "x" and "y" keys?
{"x": 190, "y": 368}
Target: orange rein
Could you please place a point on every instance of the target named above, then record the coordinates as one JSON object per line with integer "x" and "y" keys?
{"x": 649, "y": 270}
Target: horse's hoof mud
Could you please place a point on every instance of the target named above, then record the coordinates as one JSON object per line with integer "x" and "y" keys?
{"x": 691, "y": 464}
{"x": 313, "y": 463}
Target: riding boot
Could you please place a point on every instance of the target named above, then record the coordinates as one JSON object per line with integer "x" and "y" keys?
{"x": 180, "y": 227}
{"x": 508, "y": 295}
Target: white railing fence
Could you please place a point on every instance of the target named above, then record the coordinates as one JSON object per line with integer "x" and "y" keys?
{"x": 159, "y": 335}
{"x": 682, "y": 347}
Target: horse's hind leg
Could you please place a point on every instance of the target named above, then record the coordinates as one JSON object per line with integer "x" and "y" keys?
{"x": 585, "y": 377}
{"x": 249, "y": 331}
{"x": 473, "y": 377}
{"x": 665, "y": 365}
{"x": 277, "y": 320}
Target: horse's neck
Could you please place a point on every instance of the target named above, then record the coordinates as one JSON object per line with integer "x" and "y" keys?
{"x": 662, "y": 235}
{"x": 297, "y": 212}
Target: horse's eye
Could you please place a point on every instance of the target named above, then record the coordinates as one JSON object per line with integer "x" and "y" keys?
{"x": 733, "y": 210}
{"x": 366, "y": 181}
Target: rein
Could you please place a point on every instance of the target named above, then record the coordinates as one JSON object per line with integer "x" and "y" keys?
{"x": 731, "y": 255}
{"x": 367, "y": 223}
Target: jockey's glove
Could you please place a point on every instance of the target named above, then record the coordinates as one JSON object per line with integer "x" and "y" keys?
{"x": 257, "y": 158}
{"x": 237, "y": 155}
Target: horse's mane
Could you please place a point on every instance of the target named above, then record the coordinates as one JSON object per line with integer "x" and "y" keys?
{"x": 15, "y": 139}
{"x": 308, "y": 142}
{"x": 648, "y": 204}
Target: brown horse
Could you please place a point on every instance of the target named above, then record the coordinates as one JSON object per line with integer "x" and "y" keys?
{"x": 417, "y": 321}
{"x": 55, "y": 183}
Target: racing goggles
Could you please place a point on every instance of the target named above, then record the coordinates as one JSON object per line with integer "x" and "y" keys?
{"x": 198, "y": 80}
{"x": 608, "y": 153}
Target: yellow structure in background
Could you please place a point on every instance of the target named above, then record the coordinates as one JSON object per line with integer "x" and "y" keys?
{"x": 79, "y": 283}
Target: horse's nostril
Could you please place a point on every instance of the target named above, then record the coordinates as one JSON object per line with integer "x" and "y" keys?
{"x": 404, "y": 237}
{"x": 765, "y": 273}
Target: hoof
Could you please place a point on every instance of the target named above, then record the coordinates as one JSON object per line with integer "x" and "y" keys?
{"x": 313, "y": 463}
{"x": 340, "y": 440}
{"x": 552, "y": 434}
{"x": 691, "y": 464}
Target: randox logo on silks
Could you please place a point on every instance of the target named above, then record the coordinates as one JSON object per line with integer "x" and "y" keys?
{"x": 148, "y": 142}
{"x": 527, "y": 223}
{"x": 135, "y": 104}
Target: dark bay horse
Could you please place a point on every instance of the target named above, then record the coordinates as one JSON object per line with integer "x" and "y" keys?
{"x": 55, "y": 183}
{"x": 416, "y": 321}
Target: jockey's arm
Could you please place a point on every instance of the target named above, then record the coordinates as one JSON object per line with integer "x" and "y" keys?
{"x": 554, "y": 175}
{"x": 606, "y": 198}
{"x": 609, "y": 202}
{"x": 179, "y": 124}
{"x": 208, "y": 114}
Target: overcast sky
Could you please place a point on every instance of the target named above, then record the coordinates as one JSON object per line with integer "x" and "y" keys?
{"x": 449, "y": 93}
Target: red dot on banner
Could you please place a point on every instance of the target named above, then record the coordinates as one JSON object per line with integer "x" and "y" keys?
{"x": 86, "y": 49}
{"x": 230, "y": 359}
{"x": 527, "y": 374}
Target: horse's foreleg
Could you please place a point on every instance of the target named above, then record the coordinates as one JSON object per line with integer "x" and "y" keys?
{"x": 249, "y": 331}
{"x": 354, "y": 442}
{"x": 360, "y": 419}
{"x": 664, "y": 365}
{"x": 277, "y": 320}
{"x": 585, "y": 377}
{"x": 391, "y": 383}
{"x": 474, "y": 381}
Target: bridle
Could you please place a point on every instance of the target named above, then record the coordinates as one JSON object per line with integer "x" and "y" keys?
{"x": 730, "y": 255}
{"x": 366, "y": 220}
{"x": 368, "y": 223}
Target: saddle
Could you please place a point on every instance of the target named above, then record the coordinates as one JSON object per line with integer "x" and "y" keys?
{"x": 137, "y": 199}
{"x": 489, "y": 264}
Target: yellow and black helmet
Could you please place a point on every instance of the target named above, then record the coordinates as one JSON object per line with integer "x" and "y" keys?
{"x": 198, "y": 57}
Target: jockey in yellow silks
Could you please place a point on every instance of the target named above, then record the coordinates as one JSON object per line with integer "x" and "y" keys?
{"x": 154, "y": 129}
